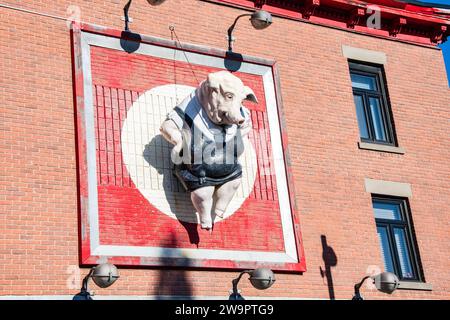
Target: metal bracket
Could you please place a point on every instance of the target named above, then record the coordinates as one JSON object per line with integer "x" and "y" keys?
{"x": 130, "y": 19}
{"x": 440, "y": 35}
{"x": 309, "y": 8}
{"x": 355, "y": 17}
{"x": 396, "y": 26}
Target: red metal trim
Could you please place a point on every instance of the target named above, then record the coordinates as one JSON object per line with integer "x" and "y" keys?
{"x": 81, "y": 153}
{"x": 355, "y": 16}
{"x": 86, "y": 259}
{"x": 425, "y": 14}
{"x": 343, "y": 11}
{"x": 440, "y": 34}
{"x": 397, "y": 25}
{"x": 422, "y": 15}
{"x": 289, "y": 171}
{"x": 309, "y": 7}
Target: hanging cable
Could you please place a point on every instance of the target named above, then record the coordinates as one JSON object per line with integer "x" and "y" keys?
{"x": 7, "y": 6}
{"x": 173, "y": 33}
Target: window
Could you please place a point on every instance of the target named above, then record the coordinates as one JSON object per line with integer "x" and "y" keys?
{"x": 372, "y": 108}
{"x": 396, "y": 238}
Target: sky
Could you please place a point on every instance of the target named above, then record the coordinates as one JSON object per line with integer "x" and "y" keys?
{"x": 446, "y": 46}
{"x": 446, "y": 50}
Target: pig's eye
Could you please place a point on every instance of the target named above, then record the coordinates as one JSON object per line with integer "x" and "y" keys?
{"x": 229, "y": 95}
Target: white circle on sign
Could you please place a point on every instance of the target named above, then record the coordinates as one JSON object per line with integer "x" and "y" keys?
{"x": 147, "y": 156}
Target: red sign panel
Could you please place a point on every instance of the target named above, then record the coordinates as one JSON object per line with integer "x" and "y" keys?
{"x": 133, "y": 209}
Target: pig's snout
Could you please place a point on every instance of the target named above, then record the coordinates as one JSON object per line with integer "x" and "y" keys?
{"x": 232, "y": 118}
{"x": 239, "y": 119}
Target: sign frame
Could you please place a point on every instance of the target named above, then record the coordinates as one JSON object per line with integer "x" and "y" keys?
{"x": 91, "y": 251}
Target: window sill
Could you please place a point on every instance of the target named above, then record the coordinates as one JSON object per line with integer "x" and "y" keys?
{"x": 409, "y": 285}
{"x": 380, "y": 147}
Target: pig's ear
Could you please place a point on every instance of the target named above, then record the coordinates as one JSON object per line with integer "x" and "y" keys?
{"x": 213, "y": 81}
{"x": 250, "y": 95}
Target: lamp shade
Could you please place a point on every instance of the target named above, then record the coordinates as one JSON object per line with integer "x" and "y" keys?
{"x": 105, "y": 275}
{"x": 261, "y": 19}
{"x": 262, "y": 278}
{"x": 386, "y": 282}
{"x": 155, "y": 2}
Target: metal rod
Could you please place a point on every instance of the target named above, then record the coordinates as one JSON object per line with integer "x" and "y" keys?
{"x": 357, "y": 295}
{"x": 125, "y": 13}
{"x": 231, "y": 28}
{"x": 84, "y": 288}
{"x": 236, "y": 281}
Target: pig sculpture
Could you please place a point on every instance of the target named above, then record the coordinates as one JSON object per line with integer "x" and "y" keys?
{"x": 207, "y": 130}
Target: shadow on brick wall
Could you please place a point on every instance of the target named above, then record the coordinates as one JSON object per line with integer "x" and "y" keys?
{"x": 330, "y": 260}
{"x": 155, "y": 144}
{"x": 130, "y": 41}
{"x": 233, "y": 61}
{"x": 173, "y": 283}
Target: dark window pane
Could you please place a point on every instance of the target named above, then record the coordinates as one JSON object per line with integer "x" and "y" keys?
{"x": 372, "y": 105}
{"x": 389, "y": 211}
{"x": 385, "y": 249}
{"x": 360, "y": 114}
{"x": 377, "y": 119}
{"x": 403, "y": 254}
{"x": 363, "y": 82}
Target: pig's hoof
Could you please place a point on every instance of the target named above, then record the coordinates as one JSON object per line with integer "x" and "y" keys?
{"x": 220, "y": 214}
{"x": 206, "y": 226}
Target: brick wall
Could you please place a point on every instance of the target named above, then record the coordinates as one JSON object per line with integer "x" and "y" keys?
{"x": 38, "y": 190}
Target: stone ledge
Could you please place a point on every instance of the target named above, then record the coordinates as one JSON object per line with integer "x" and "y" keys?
{"x": 380, "y": 147}
{"x": 364, "y": 55}
{"x": 407, "y": 285}
{"x": 389, "y": 188}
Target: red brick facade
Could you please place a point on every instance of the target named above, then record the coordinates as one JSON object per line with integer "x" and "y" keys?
{"x": 39, "y": 222}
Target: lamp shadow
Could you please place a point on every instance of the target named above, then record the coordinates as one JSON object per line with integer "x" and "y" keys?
{"x": 233, "y": 61}
{"x": 157, "y": 155}
{"x": 82, "y": 296}
{"x": 130, "y": 41}
{"x": 330, "y": 260}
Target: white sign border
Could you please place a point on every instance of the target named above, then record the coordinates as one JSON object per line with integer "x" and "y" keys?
{"x": 288, "y": 256}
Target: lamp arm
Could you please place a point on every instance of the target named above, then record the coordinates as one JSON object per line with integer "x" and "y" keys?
{"x": 84, "y": 288}
{"x": 236, "y": 281}
{"x": 231, "y": 28}
{"x": 125, "y": 13}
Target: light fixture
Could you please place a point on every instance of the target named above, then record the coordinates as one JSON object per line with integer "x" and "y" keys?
{"x": 103, "y": 275}
{"x": 261, "y": 279}
{"x": 385, "y": 282}
{"x": 260, "y": 20}
{"x": 127, "y": 7}
{"x": 155, "y": 2}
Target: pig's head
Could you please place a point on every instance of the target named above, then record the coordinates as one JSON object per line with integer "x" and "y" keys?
{"x": 221, "y": 95}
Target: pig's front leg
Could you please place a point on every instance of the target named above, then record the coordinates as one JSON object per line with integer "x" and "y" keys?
{"x": 172, "y": 134}
{"x": 224, "y": 194}
{"x": 245, "y": 128}
{"x": 202, "y": 199}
